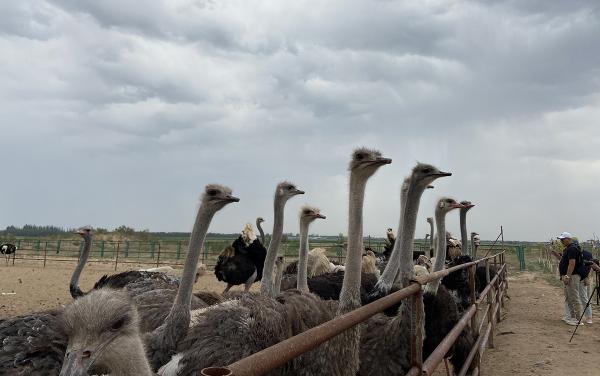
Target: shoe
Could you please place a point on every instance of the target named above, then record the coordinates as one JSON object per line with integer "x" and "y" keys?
{"x": 565, "y": 319}
{"x": 589, "y": 321}
{"x": 573, "y": 323}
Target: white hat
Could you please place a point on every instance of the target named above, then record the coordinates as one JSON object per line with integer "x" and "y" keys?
{"x": 565, "y": 235}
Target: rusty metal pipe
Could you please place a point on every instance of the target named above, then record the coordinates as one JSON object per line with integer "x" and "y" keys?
{"x": 216, "y": 371}
{"x": 474, "y": 350}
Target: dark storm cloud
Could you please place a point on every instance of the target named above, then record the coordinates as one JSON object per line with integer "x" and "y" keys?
{"x": 138, "y": 106}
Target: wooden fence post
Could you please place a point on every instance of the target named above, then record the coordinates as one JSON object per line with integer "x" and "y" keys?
{"x": 117, "y": 256}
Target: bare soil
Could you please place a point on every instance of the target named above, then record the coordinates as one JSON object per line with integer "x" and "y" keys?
{"x": 531, "y": 339}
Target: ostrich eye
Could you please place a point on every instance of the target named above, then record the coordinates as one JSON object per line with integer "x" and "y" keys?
{"x": 212, "y": 192}
{"x": 290, "y": 187}
{"x": 117, "y": 324}
{"x": 427, "y": 170}
{"x": 307, "y": 212}
{"x": 359, "y": 156}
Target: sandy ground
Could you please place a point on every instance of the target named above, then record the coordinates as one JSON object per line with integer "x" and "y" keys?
{"x": 531, "y": 340}
{"x": 37, "y": 288}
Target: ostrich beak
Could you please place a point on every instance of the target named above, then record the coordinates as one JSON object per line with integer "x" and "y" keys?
{"x": 430, "y": 187}
{"x": 442, "y": 173}
{"x": 383, "y": 161}
{"x": 298, "y": 192}
{"x": 321, "y": 216}
{"x": 75, "y": 364}
{"x": 457, "y": 206}
{"x": 231, "y": 198}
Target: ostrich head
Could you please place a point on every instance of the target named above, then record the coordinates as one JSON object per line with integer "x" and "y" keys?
{"x": 309, "y": 214}
{"x": 446, "y": 204}
{"x": 85, "y": 231}
{"x": 466, "y": 205}
{"x": 259, "y": 220}
{"x": 425, "y": 174}
{"x": 286, "y": 190}
{"x": 216, "y": 196}
{"x": 100, "y": 325}
{"x": 430, "y": 220}
{"x": 366, "y": 161}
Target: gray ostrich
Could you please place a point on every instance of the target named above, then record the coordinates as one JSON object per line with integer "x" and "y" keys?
{"x": 466, "y": 206}
{"x": 260, "y": 220}
{"x": 101, "y": 335}
{"x": 284, "y": 191}
{"x": 307, "y": 215}
{"x": 430, "y": 221}
{"x": 35, "y": 343}
{"x": 383, "y": 333}
{"x": 230, "y": 331}
{"x": 412, "y": 189}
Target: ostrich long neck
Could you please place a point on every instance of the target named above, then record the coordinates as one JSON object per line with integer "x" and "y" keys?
{"x": 430, "y": 233}
{"x": 176, "y": 324}
{"x": 350, "y": 294}
{"x": 131, "y": 362}
{"x": 440, "y": 251}
{"x": 409, "y": 225}
{"x": 391, "y": 269}
{"x": 266, "y": 286}
{"x": 463, "y": 232}
{"x": 262, "y": 233}
{"x": 302, "y": 280}
{"x": 85, "y": 254}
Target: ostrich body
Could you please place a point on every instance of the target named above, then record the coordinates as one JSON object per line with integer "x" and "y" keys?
{"x": 8, "y": 249}
{"x": 260, "y": 220}
{"x": 283, "y": 193}
{"x": 259, "y": 321}
{"x": 245, "y": 264}
{"x": 464, "y": 240}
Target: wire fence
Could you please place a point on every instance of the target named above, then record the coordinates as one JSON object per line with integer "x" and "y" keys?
{"x": 162, "y": 252}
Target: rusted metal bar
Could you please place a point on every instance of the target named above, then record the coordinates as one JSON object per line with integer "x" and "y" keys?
{"x": 216, "y": 371}
{"x": 442, "y": 349}
{"x": 467, "y": 363}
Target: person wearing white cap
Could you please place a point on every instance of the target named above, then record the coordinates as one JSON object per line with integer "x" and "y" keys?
{"x": 568, "y": 267}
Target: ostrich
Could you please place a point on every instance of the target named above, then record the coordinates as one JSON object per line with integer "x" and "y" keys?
{"x": 284, "y": 191}
{"x": 382, "y": 333}
{"x": 259, "y": 321}
{"x": 430, "y": 221}
{"x": 7, "y": 249}
{"x": 475, "y": 242}
{"x": 411, "y": 191}
{"x": 464, "y": 241}
{"x": 307, "y": 216}
{"x": 260, "y": 220}
{"x": 94, "y": 343}
{"x": 245, "y": 264}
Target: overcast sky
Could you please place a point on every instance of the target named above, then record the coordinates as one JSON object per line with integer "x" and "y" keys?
{"x": 113, "y": 112}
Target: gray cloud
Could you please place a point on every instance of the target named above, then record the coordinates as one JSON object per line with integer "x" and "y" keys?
{"x": 113, "y": 114}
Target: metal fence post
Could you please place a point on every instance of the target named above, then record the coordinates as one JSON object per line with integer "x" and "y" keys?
{"x": 45, "y": 252}
{"x": 58, "y": 246}
{"x": 117, "y": 255}
{"x": 178, "y": 249}
{"x": 158, "y": 256}
{"x": 102, "y": 249}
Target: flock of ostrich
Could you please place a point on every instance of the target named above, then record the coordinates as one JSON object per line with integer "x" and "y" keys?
{"x": 147, "y": 323}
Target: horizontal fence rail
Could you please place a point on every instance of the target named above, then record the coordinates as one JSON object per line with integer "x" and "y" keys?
{"x": 167, "y": 252}
{"x": 277, "y": 355}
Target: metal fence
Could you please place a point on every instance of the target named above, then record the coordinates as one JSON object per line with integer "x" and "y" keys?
{"x": 160, "y": 252}
{"x": 483, "y": 315}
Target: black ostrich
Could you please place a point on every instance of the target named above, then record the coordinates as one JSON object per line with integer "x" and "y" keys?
{"x": 458, "y": 281}
{"x": 242, "y": 262}
{"x": 8, "y": 249}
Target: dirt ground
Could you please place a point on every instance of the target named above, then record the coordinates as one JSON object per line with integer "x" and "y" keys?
{"x": 531, "y": 339}
{"x": 37, "y": 288}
